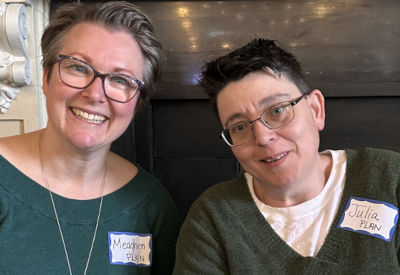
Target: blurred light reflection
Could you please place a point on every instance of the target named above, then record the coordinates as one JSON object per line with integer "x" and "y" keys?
{"x": 183, "y": 12}
{"x": 239, "y": 17}
{"x": 186, "y": 24}
{"x": 323, "y": 10}
{"x": 226, "y": 46}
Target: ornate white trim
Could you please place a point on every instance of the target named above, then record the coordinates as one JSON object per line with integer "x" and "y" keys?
{"x": 15, "y": 68}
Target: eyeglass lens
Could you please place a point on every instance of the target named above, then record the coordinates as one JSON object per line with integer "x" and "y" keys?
{"x": 272, "y": 118}
{"x": 78, "y": 74}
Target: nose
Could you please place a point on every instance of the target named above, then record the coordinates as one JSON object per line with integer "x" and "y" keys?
{"x": 95, "y": 91}
{"x": 262, "y": 134}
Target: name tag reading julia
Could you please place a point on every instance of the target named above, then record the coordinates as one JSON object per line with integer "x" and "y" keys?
{"x": 370, "y": 217}
{"x": 130, "y": 248}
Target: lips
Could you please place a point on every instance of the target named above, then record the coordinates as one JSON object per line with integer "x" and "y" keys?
{"x": 91, "y": 118}
{"x": 275, "y": 158}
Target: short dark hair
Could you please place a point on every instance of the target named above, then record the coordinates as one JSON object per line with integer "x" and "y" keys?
{"x": 113, "y": 15}
{"x": 260, "y": 54}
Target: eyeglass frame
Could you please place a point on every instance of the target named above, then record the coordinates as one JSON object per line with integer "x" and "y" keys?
{"x": 265, "y": 123}
{"x": 96, "y": 74}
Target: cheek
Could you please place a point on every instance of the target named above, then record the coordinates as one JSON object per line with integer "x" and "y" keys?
{"x": 131, "y": 107}
{"x": 53, "y": 97}
{"x": 305, "y": 136}
{"x": 300, "y": 128}
{"x": 54, "y": 89}
{"x": 242, "y": 154}
{"x": 125, "y": 111}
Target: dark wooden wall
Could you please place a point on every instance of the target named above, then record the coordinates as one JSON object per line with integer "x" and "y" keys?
{"x": 350, "y": 50}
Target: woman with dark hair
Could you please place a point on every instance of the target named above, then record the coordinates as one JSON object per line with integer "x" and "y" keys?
{"x": 293, "y": 210}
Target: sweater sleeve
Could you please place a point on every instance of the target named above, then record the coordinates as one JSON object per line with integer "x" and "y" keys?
{"x": 199, "y": 249}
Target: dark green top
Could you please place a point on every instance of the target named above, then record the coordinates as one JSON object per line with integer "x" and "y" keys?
{"x": 30, "y": 242}
{"x": 225, "y": 233}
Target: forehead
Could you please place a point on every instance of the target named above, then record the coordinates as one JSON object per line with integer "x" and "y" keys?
{"x": 253, "y": 93}
{"x": 98, "y": 44}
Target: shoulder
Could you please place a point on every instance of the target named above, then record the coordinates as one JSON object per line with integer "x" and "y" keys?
{"x": 212, "y": 223}
{"x": 226, "y": 188}
{"x": 222, "y": 198}
{"x": 19, "y": 144}
{"x": 159, "y": 206}
{"x": 153, "y": 191}
{"x": 214, "y": 220}
{"x": 133, "y": 183}
{"x": 368, "y": 151}
{"x": 120, "y": 171}
{"x": 20, "y": 151}
{"x": 149, "y": 181}
{"x": 136, "y": 179}
{"x": 374, "y": 172}
{"x": 144, "y": 199}
{"x": 9, "y": 145}
{"x": 378, "y": 158}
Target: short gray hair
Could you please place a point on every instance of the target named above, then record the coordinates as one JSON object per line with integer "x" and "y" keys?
{"x": 113, "y": 15}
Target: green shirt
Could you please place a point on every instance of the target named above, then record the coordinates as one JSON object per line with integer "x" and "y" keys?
{"x": 30, "y": 242}
{"x": 225, "y": 233}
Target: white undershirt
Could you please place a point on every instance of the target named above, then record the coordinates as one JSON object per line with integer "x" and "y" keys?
{"x": 305, "y": 226}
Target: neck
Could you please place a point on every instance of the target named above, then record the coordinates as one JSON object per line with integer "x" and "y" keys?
{"x": 71, "y": 172}
{"x": 299, "y": 191}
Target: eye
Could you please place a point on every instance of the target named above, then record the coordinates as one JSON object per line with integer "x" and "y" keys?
{"x": 239, "y": 128}
{"x": 277, "y": 110}
{"x": 120, "y": 81}
{"x": 75, "y": 67}
{"x": 78, "y": 68}
{"x": 280, "y": 109}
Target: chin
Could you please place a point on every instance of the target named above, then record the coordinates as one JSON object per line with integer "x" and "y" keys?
{"x": 85, "y": 142}
{"x": 282, "y": 178}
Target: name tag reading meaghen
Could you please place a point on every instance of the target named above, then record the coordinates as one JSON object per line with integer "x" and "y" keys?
{"x": 130, "y": 248}
{"x": 370, "y": 217}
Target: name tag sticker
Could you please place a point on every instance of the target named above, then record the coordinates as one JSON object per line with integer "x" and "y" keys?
{"x": 370, "y": 217}
{"x": 130, "y": 248}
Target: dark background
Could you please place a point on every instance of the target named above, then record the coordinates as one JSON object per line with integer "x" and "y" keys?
{"x": 349, "y": 49}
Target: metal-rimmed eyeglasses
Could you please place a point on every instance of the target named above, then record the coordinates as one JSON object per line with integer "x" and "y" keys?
{"x": 274, "y": 117}
{"x": 79, "y": 74}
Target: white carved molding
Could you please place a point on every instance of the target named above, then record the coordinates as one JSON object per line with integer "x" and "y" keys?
{"x": 15, "y": 68}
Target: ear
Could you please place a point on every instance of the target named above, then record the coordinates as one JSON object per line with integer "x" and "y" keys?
{"x": 317, "y": 103}
{"x": 44, "y": 81}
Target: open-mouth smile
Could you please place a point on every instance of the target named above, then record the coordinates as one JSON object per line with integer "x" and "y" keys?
{"x": 278, "y": 157}
{"x": 91, "y": 118}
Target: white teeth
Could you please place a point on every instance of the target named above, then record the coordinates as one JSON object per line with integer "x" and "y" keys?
{"x": 276, "y": 158}
{"x": 92, "y": 118}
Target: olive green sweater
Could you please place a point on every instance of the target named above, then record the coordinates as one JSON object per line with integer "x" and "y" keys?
{"x": 224, "y": 232}
{"x": 30, "y": 242}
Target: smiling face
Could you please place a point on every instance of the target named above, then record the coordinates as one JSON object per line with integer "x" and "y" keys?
{"x": 86, "y": 117}
{"x": 282, "y": 157}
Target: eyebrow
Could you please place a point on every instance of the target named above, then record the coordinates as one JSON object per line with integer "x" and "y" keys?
{"x": 264, "y": 102}
{"x": 89, "y": 61}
